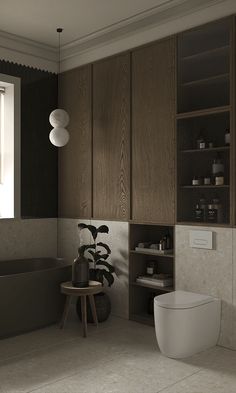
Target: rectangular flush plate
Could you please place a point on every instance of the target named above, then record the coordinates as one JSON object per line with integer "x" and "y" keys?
{"x": 200, "y": 239}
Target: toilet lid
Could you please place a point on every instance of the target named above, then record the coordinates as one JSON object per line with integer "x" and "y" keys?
{"x": 182, "y": 299}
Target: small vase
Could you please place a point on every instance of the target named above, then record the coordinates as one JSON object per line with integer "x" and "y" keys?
{"x": 80, "y": 272}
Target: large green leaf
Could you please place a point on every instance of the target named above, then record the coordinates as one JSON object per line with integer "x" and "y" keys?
{"x": 97, "y": 255}
{"x": 104, "y": 245}
{"x": 92, "y": 229}
{"x": 91, "y": 252}
{"x": 99, "y": 275}
{"x": 85, "y": 247}
{"x": 106, "y": 264}
{"x": 103, "y": 229}
{"x": 108, "y": 276}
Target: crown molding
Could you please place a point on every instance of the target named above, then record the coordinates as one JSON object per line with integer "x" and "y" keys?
{"x": 169, "y": 18}
{"x": 27, "y": 52}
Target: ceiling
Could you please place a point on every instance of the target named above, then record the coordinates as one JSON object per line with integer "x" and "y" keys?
{"x": 38, "y": 19}
{"x": 94, "y": 29}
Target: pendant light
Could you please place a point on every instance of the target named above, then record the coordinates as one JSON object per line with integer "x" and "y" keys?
{"x": 59, "y": 118}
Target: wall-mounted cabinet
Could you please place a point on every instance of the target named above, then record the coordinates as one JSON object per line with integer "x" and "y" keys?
{"x": 204, "y": 67}
{"x": 111, "y": 138}
{"x": 204, "y": 124}
{"x": 151, "y": 271}
{"x": 75, "y": 172}
{"x": 153, "y": 135}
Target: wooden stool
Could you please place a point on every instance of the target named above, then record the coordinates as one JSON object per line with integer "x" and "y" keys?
{"x": 68, "y": 289}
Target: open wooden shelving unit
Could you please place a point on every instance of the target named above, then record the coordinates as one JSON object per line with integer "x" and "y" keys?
{"x": 205, "y": 105}
{"x": 139, "y": 293}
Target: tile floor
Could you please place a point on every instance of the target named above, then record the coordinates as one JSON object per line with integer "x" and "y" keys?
{"x": 117, "y": 357}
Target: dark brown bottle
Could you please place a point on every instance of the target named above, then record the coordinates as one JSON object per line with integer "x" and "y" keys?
{"x": 80, "y": 272}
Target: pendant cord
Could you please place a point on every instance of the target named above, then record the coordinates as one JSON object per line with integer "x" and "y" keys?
{"x": 59, "y": 30}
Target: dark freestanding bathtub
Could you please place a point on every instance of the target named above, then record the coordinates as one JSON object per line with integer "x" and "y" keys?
{"x": 30, "y": 295}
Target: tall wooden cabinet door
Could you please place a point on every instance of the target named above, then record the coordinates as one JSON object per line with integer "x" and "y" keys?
{"x": 75, "y": 159}
{"x": 153, "y": 134}
{"x": 111, "y": 138}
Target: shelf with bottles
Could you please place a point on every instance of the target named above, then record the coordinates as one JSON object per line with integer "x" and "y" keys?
{"x": 149, "y": 272}
{"x": 198, "y": 172}
{"x": 204, "y": 67}
{"x": 211, "y": 171}
{"x": 204, "y": 133}
{"x": 205, "y": 206}
{"x": 151, "y": 239}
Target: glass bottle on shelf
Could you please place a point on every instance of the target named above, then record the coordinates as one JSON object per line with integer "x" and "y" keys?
{"x": 218, "y": 171}
{"x": 203, "y": 207}
{"x": 201, "y": 143}
{"x": 217, "y": 165}
{"x": 227, "y": 137}
{"x": 215, "y": 211}
{"x": 167, "y": 240}
{"x": 150, "y": 267}
{"x": 198, "y": 213}
{"x": 219, "y": 179}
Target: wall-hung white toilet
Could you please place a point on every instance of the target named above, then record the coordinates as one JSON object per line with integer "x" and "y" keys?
{"x": 186, "y": 323}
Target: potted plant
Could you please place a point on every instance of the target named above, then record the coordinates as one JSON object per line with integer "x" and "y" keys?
{"x": 100, "y": 270}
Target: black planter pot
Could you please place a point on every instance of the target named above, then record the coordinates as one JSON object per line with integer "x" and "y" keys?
{"x": 103, "y": 308}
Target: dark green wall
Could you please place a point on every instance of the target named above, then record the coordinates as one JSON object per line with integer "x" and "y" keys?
{"x": 39, "y": 168}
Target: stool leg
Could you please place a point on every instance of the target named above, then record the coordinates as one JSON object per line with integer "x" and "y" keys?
{"x": 84, "y": 314}
{"x": 93, "y": 309}
{"x": 66, "y": 311}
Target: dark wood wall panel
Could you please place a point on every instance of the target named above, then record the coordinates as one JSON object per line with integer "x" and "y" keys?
{"x": 38, "y": 156}
{"x": 153, "y": 135}
{"x": 75, "y": 173}
{"x": 111, "y": 138}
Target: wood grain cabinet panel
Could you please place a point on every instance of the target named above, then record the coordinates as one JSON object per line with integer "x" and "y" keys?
{"x": 75, "y": 159}
{"x": 153, "y": 135}
{"x": 111, "y": 134}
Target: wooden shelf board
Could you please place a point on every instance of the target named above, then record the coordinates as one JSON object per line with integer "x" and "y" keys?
{"x": 211, "y": 149}
{"x": 203, "y": 112}
{"x": 152, "y": 254}
{"x": 154, "y": 287}
{"x": 206, "y": 186}
{"x": 207, "y": 53}
{"x": 134, "y": 222}
{"x": 216, "y": 78}
{"x": 204, "y": 224}
{"x": 143, "y": 318}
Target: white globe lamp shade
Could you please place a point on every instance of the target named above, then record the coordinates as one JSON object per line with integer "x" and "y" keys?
{"x": 59, "y": 136}
{"x": 59, "y": 118}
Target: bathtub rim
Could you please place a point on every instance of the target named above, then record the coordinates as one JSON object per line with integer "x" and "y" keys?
{"x": 67, "y": 264}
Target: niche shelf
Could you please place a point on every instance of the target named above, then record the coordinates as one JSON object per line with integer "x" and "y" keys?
{"x": 140, "y": 293}
{"x": 204, "y": 107}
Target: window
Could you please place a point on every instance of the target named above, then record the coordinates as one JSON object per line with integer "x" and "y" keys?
{"x": 2, "y": 92}
{"x": 9, "y": 146}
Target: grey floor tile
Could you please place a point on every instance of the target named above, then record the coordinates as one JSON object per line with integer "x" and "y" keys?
{"x": 118, "y": 356}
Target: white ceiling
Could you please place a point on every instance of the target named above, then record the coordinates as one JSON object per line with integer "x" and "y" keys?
{"x": 38, "y": 19}
{"x": 94, "y": 29}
